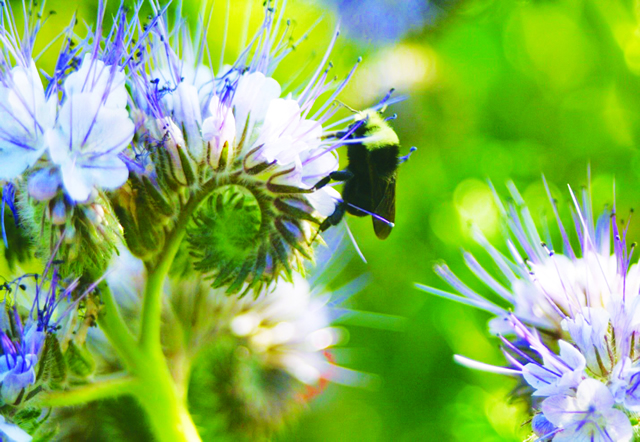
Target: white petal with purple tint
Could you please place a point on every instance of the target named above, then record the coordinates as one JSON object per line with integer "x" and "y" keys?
{"x": 588, "y": 416}
{"x": 86, "y": 142}
{"x": 252, "y": 99}
{"x": 25, "y": 115}
{"x": 106, "y": 82}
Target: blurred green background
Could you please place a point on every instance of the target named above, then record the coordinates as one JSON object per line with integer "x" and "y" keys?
{"x": 499, "y": 90}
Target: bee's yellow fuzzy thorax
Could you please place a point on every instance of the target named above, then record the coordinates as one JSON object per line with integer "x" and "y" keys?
{"x": 377, "y": 130}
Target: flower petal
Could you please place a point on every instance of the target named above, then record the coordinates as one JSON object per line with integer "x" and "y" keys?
{"x": 107, "y": 171}
{"x": 618, "y": 425}
{"x": 105, "y": 82}
{"x": 593, "y": 393}
{"x": 13, "y": 432}
{"x": 252, "y": 97}
{"x": 24, "y": 117}
{"x": 186, "y": 112}
{"x": 559, "y": 409}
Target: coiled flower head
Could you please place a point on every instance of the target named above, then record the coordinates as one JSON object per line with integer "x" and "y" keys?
{"x": 236, "y": 136}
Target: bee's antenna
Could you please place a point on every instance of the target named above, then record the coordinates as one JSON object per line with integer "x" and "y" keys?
{"x": 374, "y": 215}
{"x": 392, "y": 117}
{"x": 346, "y": 106}
{"x": 407, "y": 156}
{"x": 383, "y": 102}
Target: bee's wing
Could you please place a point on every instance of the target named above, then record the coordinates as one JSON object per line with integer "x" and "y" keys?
{"x": 384, "y": 199}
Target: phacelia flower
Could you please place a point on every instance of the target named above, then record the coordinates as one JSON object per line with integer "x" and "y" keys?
{"x": 68, "y": 135}
{"x": 257, "y": 146}
{"x": 290, "y": 329}
{"x": 92, "y": 129}
{"x": 25, "y": 115}
{"x": 587, "y": 415}
{"x": 23, "y": 340}
{"x": 583, "y": 301}
{"x": 26, "y": 111}
{"x": 41, "y": 343}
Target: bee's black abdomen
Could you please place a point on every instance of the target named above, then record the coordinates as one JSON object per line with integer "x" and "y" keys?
{"x": 357, "y": 191}
{"x": 384, "y": 161}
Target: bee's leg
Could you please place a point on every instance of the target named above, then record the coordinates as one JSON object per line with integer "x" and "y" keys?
{"x": 335, "y": 218}
{"x": 338, "y": 175}
{"x": 332, "y": 220}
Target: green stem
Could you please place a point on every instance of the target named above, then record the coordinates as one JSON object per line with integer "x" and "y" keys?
{"x": 159, "y": 395}
{"x": 151, "y": 381}
{"x": 92, "y": 392}
{"x": 152, "y": 306}
{"x": 116, "y": 330}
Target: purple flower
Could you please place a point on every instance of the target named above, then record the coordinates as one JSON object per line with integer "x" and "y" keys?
{"x": 583, "y": 301}
{"x": 72, "y": 131}
{"x": 587, "y": 415}
{"x": 92, "y": 129}
{"x": 242, "y": 113}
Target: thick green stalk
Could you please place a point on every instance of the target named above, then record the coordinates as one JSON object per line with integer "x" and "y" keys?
{"x": 149, "y": 379}
{"x": 159, "y": 395}
{"x": 168, "y": 415}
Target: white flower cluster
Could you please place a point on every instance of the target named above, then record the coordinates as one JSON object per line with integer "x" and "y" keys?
{"x": 72, "y": 137}
{"x": 290, "y": 328}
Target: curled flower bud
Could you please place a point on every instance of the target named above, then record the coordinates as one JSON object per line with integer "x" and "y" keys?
{"x": 59, "y": 213}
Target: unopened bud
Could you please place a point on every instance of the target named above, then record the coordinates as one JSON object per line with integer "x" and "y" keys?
{"x": 59, "y": 213}
{"x": 95, "y": 213}
{"x": 43, "y": 185}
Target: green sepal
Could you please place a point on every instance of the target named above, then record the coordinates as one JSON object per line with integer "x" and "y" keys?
{"x": 157, "y": 199}
{"x": 296, "y": 208}
{"x": 151, "y": 237}
{"x": 236, "y": 285}
{"x": 224, "y": 275}
{"x": 20, "y": 245}
{"x": 282, "y": 253}
{"x": 187, "y": 167}
{"x": 164, "y": 168}
{"x": 298, "y": 241}
{"x": 79, "y": 360}
{"x": 224, "y": 156}
{"x": 150, "y": 231}
{"x": 91, "y": 248}
{"x": 53, "y": 365}
{"x": 30, "y": 420}
{"x": 131, "y": 233}
{"x": 88, "y": 244}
